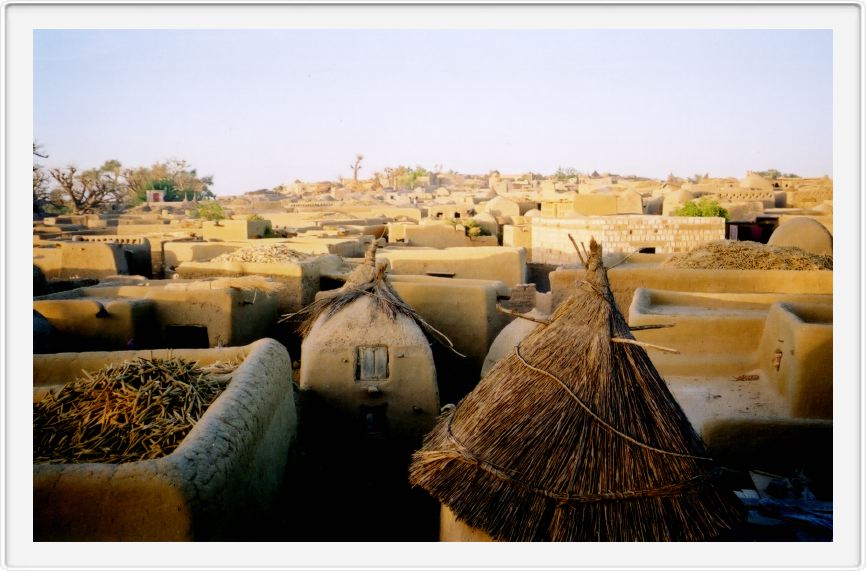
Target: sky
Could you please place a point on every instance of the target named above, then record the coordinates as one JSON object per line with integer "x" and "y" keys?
{"x": 259, "y": 108}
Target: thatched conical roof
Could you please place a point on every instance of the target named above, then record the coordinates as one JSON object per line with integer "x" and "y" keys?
{"x": 574, "y": 436}
{"x": 367, "y": 279}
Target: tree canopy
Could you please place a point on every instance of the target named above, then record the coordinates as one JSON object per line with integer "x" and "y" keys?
{"x": 565, "y": 173}
{"x": 84, "y": 191}
{"x": 773, "y": 174}
{"x": 703, "y": 207}
{"x": 405, "y": 177}
{"x": 41, "y": 195}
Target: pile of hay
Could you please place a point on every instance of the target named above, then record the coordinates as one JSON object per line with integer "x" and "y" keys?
{"x": 742, "y": 255}
{"x": 574, "y": 436}
{"x": 265, "y": 254}
{"x": 135, "y": 410}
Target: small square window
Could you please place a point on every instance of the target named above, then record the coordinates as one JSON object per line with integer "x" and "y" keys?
{"x": 371, "y": 363}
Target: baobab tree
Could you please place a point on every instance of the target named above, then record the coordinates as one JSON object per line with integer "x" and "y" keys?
{"x": 90, "y": 190}
{"x": 40, "y": 180}
{"x": 356, "y": 166}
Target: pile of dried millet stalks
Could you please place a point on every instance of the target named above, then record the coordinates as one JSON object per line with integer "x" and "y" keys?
{"x": 266, "y": 254}
{"x": 135, "y": 410}
{"x": 742, "y": 255}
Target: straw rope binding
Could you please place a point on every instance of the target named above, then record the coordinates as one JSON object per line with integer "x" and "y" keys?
{"x": 589, "y": 446}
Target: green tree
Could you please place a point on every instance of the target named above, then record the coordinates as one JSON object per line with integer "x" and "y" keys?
{"x": 175, "y": 177}
{"x": 565, "y": 173}
{"x": 771, "y": 174}
{"x": 703, "y": 207}
{"x": 406, "y": 177}
{"x": 210, "y": 210}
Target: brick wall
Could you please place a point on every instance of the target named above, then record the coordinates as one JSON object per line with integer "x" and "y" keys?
{"x": 667, "y": 234}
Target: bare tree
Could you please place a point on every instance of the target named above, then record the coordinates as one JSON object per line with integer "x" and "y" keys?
{"x": 356, "y": 166}
{"x": 40, "y": 180}
{"x": 389, "y": 174}
{"x": 88, "y": 191}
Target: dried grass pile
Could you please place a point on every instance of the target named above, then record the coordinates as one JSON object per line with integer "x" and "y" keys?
{"x": 367, "y": 279}
{"x": 574, "y": 436}
{"x": 264, "y": 254}
{"x": 743, "y": 255}
{"x": 135, "y": 410}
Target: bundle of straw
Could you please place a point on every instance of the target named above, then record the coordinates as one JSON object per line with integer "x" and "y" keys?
{"x": 574, "y": 436}
{"x": 745, "y": 255}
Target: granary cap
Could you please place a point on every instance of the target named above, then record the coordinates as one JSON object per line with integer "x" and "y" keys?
{"x": 574, "y": 436}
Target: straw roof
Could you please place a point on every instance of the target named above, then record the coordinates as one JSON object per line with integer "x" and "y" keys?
{"x": 367, "y": 279}
{"x": 574, "y": 436}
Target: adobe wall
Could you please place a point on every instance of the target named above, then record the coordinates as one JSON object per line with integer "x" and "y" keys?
{"x": 754, "y": 374}
{"x": 595, "y": 204}
{"x": 766, "y": 197}
{"x": 449, "y": 211}
{"x": 153, "y": 228}
{"x": 346, "y": 247}
{"x": 175, "y": 253}
{"x": 715, "y": 333}
{"x": 483, "y": 241}
{"x": 232, "y": 315}
{"x": 557, "y": 208}
{"x": 433, "y": 236}
{"x": 628, "y": 277}
{"x": 626, "y": 233}
{"x": 796, "y": 354}
{"x": 79, "y": 259}
{"x": 228, "y": 230}
{"x": 106, "y": 324}
{"x": 807, "y": 198}
{"x": 301, "y": 278}
{"x": 374, "y": 230}
{"x": 464, "y": 310}
{"x": 223, "y": 476}
{"x": 518, "y": 236}
{"x": 137, "y": 250}
{"x": 507, "y": 265}
{"x": 397, "y": 231}
{"x": 379, "y": 211}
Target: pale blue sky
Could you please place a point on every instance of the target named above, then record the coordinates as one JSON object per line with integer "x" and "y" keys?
{"x": 259, "y": 108}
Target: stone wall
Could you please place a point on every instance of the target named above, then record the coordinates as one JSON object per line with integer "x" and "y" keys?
{"x": 628, "y": 233}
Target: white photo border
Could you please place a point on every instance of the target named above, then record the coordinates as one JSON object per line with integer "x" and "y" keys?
{"x": 845, "y": 19}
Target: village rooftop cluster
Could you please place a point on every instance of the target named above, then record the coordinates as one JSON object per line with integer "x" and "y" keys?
{"x": 337, "y": 320}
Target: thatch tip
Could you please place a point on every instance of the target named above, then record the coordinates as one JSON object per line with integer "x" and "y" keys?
{"x": 370, "y": 255}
